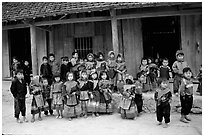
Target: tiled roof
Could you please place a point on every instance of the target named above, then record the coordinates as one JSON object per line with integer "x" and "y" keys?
{"x": 12, "y": 11}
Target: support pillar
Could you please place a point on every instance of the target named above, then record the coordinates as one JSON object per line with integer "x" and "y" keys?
{"x": 114, "y": 31}
{"x": 34, "y": 50}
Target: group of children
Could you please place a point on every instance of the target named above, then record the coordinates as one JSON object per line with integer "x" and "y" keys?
{"x": 85, "y": 86}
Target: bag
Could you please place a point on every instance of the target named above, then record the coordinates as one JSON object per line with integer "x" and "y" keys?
{"x": 39, "y": 100}
{"x": 129, "y": 113}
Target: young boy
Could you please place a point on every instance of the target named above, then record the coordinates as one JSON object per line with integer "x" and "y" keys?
{"x": 45, "y": 70}
{"x": 186, "y": 94}
{"x": 139, "y": 87}
{"x": 27, "y": 72}
{"x": 19, "y": 91}
{"x": 15, "y": 66}
{"x": 177, "y": 67}
{"x": 163, "y": 98}
{"x": 65, "y": 67}
{"x": 55, "y": 66}
{"x": 164, "y": 71}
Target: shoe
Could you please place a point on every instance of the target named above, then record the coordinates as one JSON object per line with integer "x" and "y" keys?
{"x": 160, "y": 123}
{"x": 187, "y": 118}
{"x": 85, "y": 116}
{"x": 57, "y": 117}
{"x": 25, "y": 119}
{"x": 39, "y": 118}
{"x": 32, "y": 120}
{"x": 165, "y": 125}
{"x": 97, "y": 114}
{"x": 70, "y": 119}
{"x": 60, "y": 117}
{"x": 183, "y": 120}
{"x": 18, "y": 120}
{"x": 93, "y": 115}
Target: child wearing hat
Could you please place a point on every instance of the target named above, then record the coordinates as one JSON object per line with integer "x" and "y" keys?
{"x": 178, "y": 67}
{"x": 90, "y": 64}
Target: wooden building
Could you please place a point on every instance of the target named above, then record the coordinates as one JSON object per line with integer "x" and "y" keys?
{"x": 32, "y": 30}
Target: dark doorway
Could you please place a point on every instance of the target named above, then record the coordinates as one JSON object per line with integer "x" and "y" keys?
{"x": 161, "y": 37}
{"x": 20, "y": 46}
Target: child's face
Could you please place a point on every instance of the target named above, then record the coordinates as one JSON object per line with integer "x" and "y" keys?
{"x": 119, "y": 59}
{"x": 112, "y": 55}
{"x": 45, "y": 82}
{"x": 57, "y": 79}
{"x": 70, "y": 77}
{"x": 75, "y": 55}
{"x": 142, "y": 78}
{"x": 144, "y": 62}
{"x": 180, "y": 56}
{"x": 165, "y": 63}
{"x": 104, "y": 76}
{"x": 94, "y": 76}
{"x": 101, "y": 57}
{"x": 65, "y": 62}
{"x": 26, "y": 63}
{"x": 164, "y": 84}
{"x": 188, "y": 74}
{"x": 90, "y": 58}
{"x": 52, "y": 58}
{"x": 19, "y": 75}
{"x": 149, "y": 61}
{"x": 84, "y": 75}
{"x": 15, "y": 60}
{"x": 45, "y": 61}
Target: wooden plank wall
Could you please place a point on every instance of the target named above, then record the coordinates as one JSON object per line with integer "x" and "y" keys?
{"x": 191, "y": 34}
{"x": 5, "y": 54}
{"x": 132, "y": 43}
{"x": 41, "y": 46}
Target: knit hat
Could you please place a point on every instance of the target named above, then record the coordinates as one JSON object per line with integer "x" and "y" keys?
{"x": 90, "y": 54}
{"x": 179, "y": 52}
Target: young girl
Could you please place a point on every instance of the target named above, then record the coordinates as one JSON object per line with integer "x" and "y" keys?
{"x": 105, "y": 93}
{"x": 37, "y": 101}
{"x": 27, "y": 72}
{"x": 70, "y": 90}
{"x": 100, "y": 63}
{"x": 111, "y": 68}
{"x": 84, "y": 87}
{"x": 144, "y": 68}
{"x": 186, "y": 94}
{"x": 127, "y": 104}
{"x": 56, "y": 92}
{"x": 163, "y": 98}
{"x": 121, "y": 67}
{"x": 90, "y": 64}
{"x": 94, "y": 93}
{"x": 47, "y": 97}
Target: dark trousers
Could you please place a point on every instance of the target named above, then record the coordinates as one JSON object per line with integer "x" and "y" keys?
{"x": 49, "y": 101}
{"x": 177, "y": 82}
{"x": 186, "y": 104}
{"x": 19, "y": 106}
{"x": 139, "y": 102}
{"x": 163, "y": 110}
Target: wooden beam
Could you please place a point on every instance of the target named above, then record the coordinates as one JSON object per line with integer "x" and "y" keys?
{"x": 114, "y": 27}
{"x": 34, "y": 50}
{"x": 51, "y": 42}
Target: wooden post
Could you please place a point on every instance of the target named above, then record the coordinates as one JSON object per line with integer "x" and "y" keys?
{"x": 34, "y": 50}
{"x": 114, "y": 31}
{"x": 51, "y": 46}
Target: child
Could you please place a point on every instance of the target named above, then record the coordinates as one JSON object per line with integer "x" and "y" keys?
{"x": 111, "y": 68}
{"x": 70, "y": 90}
{"x": 75, "y": 64}
{"x": 105, "y": 93}
{"x": 84, "y": 87}
{"x": 94, "y": 93}
{"x": 90, "y": 64}
{"x": 128, "y": 108}
{"x": 100, "y": 63}
{"x": 19, "y": 91}
{"x": 56, "y": 91}
{"x": 164, "y": 71}
{"x": 45, "y": 70}
{"x": 121, "y": 67}
{"x": 47, "y": 97}
{"x": 37, "y": 101}
{"x": 199, "y": 77}
{"x": 27, "y": 72}
{"x": 65, "y": 67}
{"x": 186, "y": 94}
{"x": 152, "y": 73}
{"x": 163, "y": 98}
{"x": 177, "y": 67}
{"x": 139, "y": 88}
{"x": 55, "y": 66}
{"x": 15, "y": 66}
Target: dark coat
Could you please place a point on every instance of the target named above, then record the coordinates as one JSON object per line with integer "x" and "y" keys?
{"x": 18, "y": 89}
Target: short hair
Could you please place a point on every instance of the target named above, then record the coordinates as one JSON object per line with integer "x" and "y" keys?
{"x": 162, "y": 80}
{"x": 165, "y": 59}
{"x": 51, "y": 54}
{"x": 68, "y": 73}
{"x": 19, "y": 71}
{"x": 74, "y": 52}
{"x": 186, "y": 69}
{"x": 103, "y": 72}
{"x": 45, "y": 57}
{"x": 143, "y": 59}
{"x": 65, "y": 59}
{"x": 140, "y": 74}
{"x": 15, "y": 57}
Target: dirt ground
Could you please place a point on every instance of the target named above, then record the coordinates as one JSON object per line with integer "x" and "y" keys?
{"x": 105, "y": 124}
